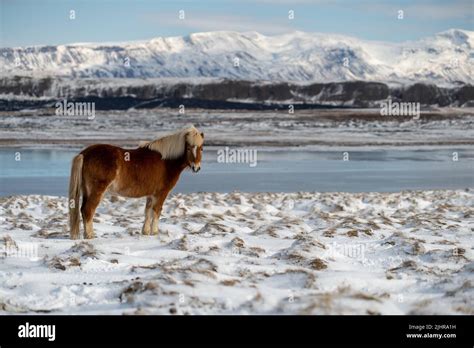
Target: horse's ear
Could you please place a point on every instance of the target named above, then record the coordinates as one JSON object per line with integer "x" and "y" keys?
{"x": 202, "y": 135}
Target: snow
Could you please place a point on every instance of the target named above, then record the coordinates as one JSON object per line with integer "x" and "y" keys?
{"x": 444, "y": 58}
{"x": 242, "y": 253}
{"x": 446, "y": 127}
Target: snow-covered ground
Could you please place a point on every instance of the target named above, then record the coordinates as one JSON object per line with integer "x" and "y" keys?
{"x": 309, "y": 253}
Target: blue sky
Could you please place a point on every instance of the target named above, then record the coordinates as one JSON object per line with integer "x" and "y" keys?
{"x": 47, "y": 22}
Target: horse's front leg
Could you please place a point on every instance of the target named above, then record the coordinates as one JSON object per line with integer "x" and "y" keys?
{"x": 157, "y": 206}
{"x": 148, "y": 216}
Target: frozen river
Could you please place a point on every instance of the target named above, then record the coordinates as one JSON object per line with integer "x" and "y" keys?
{"x": 46, "y": 171}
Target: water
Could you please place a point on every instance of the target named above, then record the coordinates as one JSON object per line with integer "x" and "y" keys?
{"x": 47, "y": 172}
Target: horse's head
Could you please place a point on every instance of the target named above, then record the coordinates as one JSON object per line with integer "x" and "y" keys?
{"x": 194, "y": 143}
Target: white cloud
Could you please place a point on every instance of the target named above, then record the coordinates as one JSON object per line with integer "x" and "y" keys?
{"x": 208, "y": 22}
{"x": 421, "y": 10}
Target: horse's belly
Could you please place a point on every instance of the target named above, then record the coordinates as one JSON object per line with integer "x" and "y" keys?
{"x": 132, "y": 191}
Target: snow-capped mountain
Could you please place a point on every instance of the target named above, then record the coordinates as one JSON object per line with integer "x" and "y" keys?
{"x": 445, "y": 58}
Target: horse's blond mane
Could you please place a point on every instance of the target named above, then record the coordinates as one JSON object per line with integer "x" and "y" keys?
{"x": 173, "y": 146}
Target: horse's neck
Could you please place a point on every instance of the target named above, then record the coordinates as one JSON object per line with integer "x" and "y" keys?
{"x": 175, "y": 167}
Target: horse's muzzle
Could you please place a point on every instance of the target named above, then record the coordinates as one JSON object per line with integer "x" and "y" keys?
{"x": 196, "y": 169}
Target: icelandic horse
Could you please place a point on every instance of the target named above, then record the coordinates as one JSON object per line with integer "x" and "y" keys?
{"x": 151, "y": 171}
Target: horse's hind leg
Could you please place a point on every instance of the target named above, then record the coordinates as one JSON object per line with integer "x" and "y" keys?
{"x": 157, "y": 206}
{"x": 89, "y": 204}
{"x": 148, "y": 216}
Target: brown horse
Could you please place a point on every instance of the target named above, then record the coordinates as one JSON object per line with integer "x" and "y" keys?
{"x": 151, "y": 170}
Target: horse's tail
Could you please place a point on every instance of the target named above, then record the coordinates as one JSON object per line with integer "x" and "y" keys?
{"x": 75, "y": 183}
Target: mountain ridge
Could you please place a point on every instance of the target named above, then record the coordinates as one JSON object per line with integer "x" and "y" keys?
{"x": 444, "y": 59}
